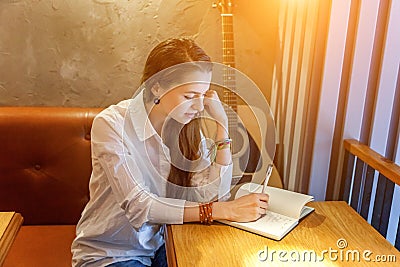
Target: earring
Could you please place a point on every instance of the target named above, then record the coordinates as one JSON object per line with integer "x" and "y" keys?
{"x": 156, "y": 101}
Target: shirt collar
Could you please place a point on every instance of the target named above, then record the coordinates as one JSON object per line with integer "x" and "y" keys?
{"x": 140, "y": 119}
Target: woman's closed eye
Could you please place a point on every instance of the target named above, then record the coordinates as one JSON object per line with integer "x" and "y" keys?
{"x": 194, "y": 96}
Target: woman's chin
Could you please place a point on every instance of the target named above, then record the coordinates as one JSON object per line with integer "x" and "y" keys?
{"x": 186, "y": 119}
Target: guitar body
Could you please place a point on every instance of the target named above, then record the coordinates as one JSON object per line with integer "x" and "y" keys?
{"x": 256, "y": 126}
{"x": 251, "y": 164}
{"x": 249, "y": 147}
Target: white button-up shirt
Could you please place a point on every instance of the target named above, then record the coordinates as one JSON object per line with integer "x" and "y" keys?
{"x": 128, "y": 207}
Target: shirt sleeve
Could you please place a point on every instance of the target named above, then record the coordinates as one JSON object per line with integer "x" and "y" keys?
{"x": 125, "y": 179}
{"x": 214, "y": 174}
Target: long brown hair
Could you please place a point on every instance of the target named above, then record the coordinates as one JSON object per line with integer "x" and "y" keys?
{"x": 167, "y": 54}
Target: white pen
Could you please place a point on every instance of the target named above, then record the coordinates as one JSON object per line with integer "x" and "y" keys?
{"x": 269, "y": 172}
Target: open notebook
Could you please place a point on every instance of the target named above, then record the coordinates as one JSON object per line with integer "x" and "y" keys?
{"x": 285, "y": 210}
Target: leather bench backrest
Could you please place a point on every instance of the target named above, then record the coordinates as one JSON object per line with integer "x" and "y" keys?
{"x": 45, "y": 162}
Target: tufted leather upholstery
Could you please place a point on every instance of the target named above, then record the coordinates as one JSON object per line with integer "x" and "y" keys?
{"x": 45, "y": 168}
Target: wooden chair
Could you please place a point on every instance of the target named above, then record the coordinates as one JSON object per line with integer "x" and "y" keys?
{"x": 360, "y": 165}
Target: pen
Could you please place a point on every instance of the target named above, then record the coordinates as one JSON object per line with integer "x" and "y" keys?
{"x": 269, "y": 172}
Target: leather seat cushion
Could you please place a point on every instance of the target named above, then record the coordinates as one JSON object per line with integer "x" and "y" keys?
{"x": 44, "y": 246}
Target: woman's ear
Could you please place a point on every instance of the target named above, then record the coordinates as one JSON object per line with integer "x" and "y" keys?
{"x": 156, "y": 90}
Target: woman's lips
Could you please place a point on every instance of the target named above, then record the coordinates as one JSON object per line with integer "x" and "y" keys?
{"x": 190, "y": 115}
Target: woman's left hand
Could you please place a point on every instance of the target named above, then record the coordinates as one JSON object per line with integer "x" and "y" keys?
{"x": 214, "y": 107}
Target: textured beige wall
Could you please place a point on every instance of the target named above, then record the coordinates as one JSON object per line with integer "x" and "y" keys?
{"x": 91, "y": 53}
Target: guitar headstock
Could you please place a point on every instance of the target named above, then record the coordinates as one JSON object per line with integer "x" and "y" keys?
{"x": 224, "y": 6}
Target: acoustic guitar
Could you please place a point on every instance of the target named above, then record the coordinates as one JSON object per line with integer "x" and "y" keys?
{"x": 249, "y": 155}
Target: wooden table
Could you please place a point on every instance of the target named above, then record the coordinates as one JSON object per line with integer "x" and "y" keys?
{"x": 10, "y": 222}
{"x": 333, "y": 235}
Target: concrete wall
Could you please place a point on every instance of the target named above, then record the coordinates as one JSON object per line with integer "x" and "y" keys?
{"x": 91, "y": 53}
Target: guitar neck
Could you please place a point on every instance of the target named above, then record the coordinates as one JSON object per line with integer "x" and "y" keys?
{"x": 228, "y": 50}
{"x": 229, "y": 79}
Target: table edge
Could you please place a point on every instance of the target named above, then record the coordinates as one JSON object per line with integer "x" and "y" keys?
{"x": 170, "y": 247}
{"x": 9, "y": 235}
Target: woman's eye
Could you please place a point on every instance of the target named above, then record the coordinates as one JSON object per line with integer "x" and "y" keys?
{"x": 188, "y": 97}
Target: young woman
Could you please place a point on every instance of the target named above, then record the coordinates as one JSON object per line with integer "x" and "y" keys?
{"x": 152, "y": 165}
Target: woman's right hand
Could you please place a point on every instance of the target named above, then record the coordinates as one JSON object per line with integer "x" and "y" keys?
{"x": 246, "y": 208}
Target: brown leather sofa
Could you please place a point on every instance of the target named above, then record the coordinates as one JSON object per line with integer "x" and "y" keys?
{"x": 45, "y": 168}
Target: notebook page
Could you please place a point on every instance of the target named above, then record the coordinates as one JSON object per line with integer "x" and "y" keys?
{"x": 272, "y": 225}
{"x": 281, "y": 201}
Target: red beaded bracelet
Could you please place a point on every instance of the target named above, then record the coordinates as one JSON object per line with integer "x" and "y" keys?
{"x": 205, "y": 213}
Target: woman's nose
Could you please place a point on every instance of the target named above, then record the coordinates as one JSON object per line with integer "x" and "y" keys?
{"x": 198, "y": 103}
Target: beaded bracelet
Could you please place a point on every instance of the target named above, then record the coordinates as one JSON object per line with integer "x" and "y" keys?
{"x": 205, "y": 213}
{"x": 225, "y": 141}
{"x": 219, "y": 145}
